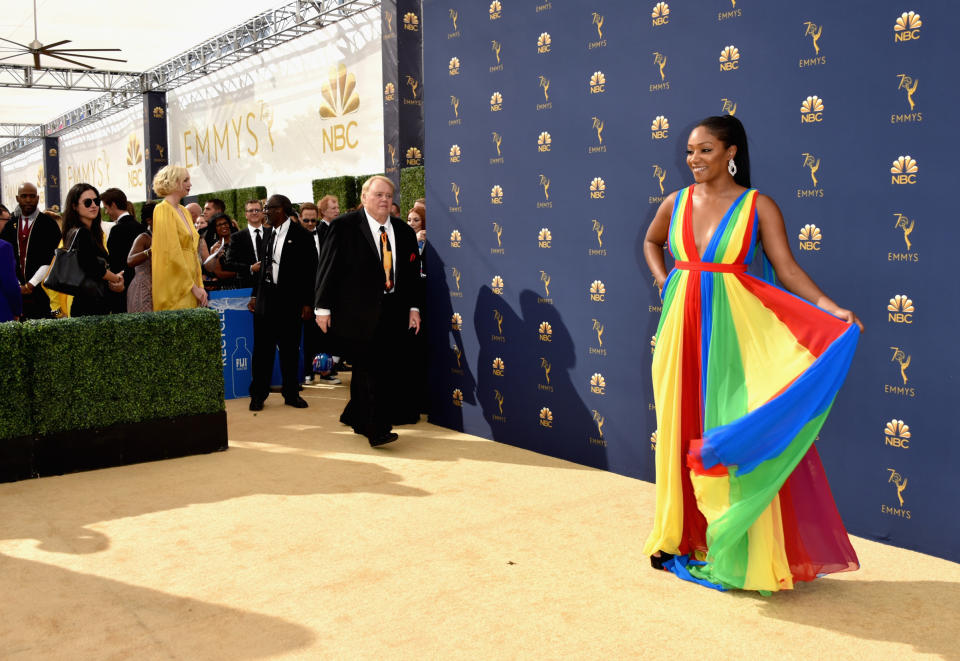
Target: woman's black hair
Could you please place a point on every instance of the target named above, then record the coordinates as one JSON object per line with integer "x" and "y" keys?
{"x": 728, "y": 130}
{"x": 71, "y": 217}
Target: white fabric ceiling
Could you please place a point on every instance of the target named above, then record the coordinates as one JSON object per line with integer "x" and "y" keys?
{"x": 148, "y": 33}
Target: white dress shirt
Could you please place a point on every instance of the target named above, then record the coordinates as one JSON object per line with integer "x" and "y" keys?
{"x": 253, "y": 239}
{"x": 41, "y": 272}
{"x": 279, "y": 237}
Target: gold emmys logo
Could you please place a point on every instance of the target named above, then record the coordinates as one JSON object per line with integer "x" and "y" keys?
{"x": 544, "y": 237}
{"x": 545, "y": 184}
{"x": 811, "y": 110}
{"x": 454, "y": 153}
{"x": 600, "y": 421}
{"x": 660, "y": 14}
{"x": 904, "y": 171}
{"x": 813, "y": 31}
{"x": 598, "y": 230}
{"x": 896, "y": 433}
{"x": 496, "y": 193}
{"x": 411, "y": 22}
{"x": 455, "y": 239}
{"x": 393, "y": 153}
{"x": 812, "y": 162}
{"x": 499, "y": 397}
{"x": 388, "y": 15}
{"x": 907, "y": 27}
{"x": 455, "y": 272}
{"x": 498, "y": 230}
{"x": 900, "y": 310}
{"x": 597, "y": 82}
{"x": 497, "y": 285}
{"x": 495, "y": 9}
{"x": 457, "y": 353}
{"x": 729, "y": 107}
{"x": 546, "y": 367}
{"x": 456, "y": 321}
{"x": 810, "y": 237}
{"x": 543, "y": 144}
{"x": 598, "y": 188}
{"x": 160, "y": 149}
{"x": 497, "y": 140}
{"x": 414, "y": 157}
{"x": 546, "y": 417}
{"x": 898, "y": 481}
{"x": 545, "y": 85}
{"x": 597, "y": 291}
{"x": 496, "y": 46}
{"x": 389, "y": 92}
{"x": 413, "y": 83}
{"x": 543, "y": 42}
{"x": 659, "y": 128}
{"x": 729, "y": 58}
{"x": 598, "y": 384}
{"x": 456, "y": 193}
{"x": 598, "y": 21}
{"x": 544, "y": 276}
{"x": 903, "y": 360}
{"x": 907, "y": 226}
{"x": 158, "y": 112}
{"x": 498, "y": 317}
{"x": 598, "y": 329}
{"x": 454, "y": 15}
{"x": 909, "y": 85}
{"x": 598, "y": 127}
{"x": 496, "y": 102}
{"x": 453, "y": 68}
{"x": 653, "y": 440}
{"x": 498, "y": 366}
{"x": 659, "y": 174}
{"x": 545, "y": 330}
{"x": 134, "y": 152}
{"x": 455, "y": 103}
{"x": 660, "y": 61}
{"x": 457, "y": 397}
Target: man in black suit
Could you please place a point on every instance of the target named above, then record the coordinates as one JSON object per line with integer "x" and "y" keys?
{"x": 35, "y": 236}
{"x": 124, "y": 233}
{"x": 368, "y": 295}
{"x": 282, "y": 296}
{"x": 246, "y": 246}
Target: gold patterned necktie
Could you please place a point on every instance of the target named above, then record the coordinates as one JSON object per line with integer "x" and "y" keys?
{"x": 386, "y": 258}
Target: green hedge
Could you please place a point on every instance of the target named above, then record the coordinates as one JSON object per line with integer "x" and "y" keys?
{"x": 344, "y": 188}
{"x": 229, "y": 198}
{"x": 89, "y": 372}
{"x": 15, "y": 419}
{"x": 411, "y": 188}
{"x": 244, "y": 195}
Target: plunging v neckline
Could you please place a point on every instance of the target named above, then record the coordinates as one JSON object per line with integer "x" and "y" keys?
{"x": 724, "y": 219}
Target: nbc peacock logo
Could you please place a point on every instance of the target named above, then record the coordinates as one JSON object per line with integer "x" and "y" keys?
{"x": 496, "y": 102}
{"x": 900, "y": 310}
{"x": 597, "y": 291}
{"x": 158, "y": 112}
{"x": 659, "y": 128}
{"x": 134, "y": 151}
{"x": 907, "y": 27}
{"x": 543, "y": 42}
{"x": 598, "y": 188}
{"x": 456, "y": 321}
{"x": 811, "y": 110}
{"x": 653, "y": 440}
{"x": 497, "y": 285}
{"x": 543, "y": 142}
{"x": 896, "y": 434}
{"x": 545, "y": 331}
{"x": 546, "y": 418}
{"x": 544, "y": 237}
{"x": 904, "y": 171}
{"x": 598, "y": 384}
{"x": 457, "y": 397}
{"x": 498, "y": 366}
{"x": 453, "y": 68}
{"x": 339, "y": 92}
{"x": 810, "y": 237}
{"x": 454, "y": 153}
{"x": 414, "y": 157}
{"x": 411, "y": 22}
{"x": 598, "y": 83}
{"x": 389, "y": 92}
{"x": 496, "y": 195}
{"x": 660, "y": 14}
{"x": 729, "y": 58}
{"x": 653, "y": 344}
{"x": 455, "y": 239}
{"x": 495, "y": 9}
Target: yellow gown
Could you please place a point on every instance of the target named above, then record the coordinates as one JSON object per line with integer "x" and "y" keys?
{"x": 176, "y": 263}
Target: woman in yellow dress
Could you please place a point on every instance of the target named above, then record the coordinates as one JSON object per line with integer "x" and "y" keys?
{"x": 177, "y": 282}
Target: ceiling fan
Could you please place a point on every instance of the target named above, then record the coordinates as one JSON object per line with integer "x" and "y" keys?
{"x": 37, "y": 49}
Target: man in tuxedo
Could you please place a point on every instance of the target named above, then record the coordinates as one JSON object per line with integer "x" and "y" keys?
{"x": 246, "y": 246}
{"x": 125, "y": 231}
{"x": 34, "y": 236}
{"x": 282, "y": 296}
{"x": 368, "y": 295}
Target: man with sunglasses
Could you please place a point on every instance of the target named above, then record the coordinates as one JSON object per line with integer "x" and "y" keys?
{"x": 35, "y": 236}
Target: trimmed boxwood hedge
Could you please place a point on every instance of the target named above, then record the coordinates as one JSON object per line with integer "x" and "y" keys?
{"x": 229, "y": 198}
{"x": 345, "y": 189}
{"x": 88, "y": 372}
{"x": 15, "y": 418}
{"x": 411, "y": 188}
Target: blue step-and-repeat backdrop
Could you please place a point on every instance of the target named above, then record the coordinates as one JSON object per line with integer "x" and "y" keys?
{"x": 555, "y": 129}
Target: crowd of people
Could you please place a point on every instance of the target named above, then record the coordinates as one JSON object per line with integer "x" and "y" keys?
{"x": 306, "y": 266}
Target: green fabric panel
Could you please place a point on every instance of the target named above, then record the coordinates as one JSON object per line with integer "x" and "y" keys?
{"x": 726, "y": 388}
{"x": 669, "y": 294}
{"x": 728, "y": 230}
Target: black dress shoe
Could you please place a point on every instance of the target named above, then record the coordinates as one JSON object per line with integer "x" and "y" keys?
{"x": 256, "y": 404}
{"x": 656, "y": 561}
{"x": 297, "y": 403}
{"x": 383, "y": 439}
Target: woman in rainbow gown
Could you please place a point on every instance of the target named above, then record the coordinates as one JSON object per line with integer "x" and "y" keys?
{"x": 744, "y": 374}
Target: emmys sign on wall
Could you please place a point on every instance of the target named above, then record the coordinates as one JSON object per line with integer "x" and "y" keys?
{"x": 305, "y": 110}
{"x": 23, "y": 168}
{"x": 106, "y": 154}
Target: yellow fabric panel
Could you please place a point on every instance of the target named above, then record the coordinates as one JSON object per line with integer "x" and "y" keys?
{"x": 58, "y": 300}
{"x": 175, "y": 263}
{"x": 771, "y": 356}
{"x": 740, "y": 225}
{"x": 767, "y": 564}
{"x": 668, "y": 518}
{"x": 713, "y": 494}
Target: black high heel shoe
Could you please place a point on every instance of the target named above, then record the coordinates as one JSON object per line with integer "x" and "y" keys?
{"x": 656, "y": 561}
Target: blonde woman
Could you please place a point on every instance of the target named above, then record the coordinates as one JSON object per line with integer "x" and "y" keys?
{"x": 177, "y": 282}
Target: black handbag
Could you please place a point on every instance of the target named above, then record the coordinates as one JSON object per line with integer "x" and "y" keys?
{"x": 68, "y": 277}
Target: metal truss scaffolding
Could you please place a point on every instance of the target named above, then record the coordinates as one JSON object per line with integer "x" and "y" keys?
{"x": 123, "y": 90}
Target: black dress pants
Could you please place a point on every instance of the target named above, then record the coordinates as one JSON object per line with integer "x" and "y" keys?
{"x": 277, "y": 327}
